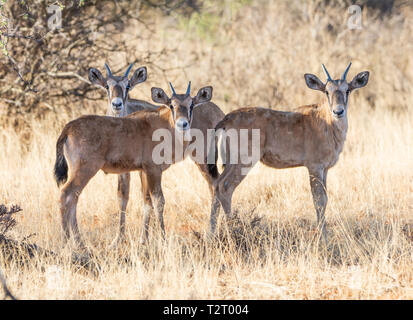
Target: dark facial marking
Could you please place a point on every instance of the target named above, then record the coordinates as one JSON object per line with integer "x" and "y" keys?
{"x": 117, "y": 92}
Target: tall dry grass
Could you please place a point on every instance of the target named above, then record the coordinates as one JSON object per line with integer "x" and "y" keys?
{"x": 272, "y": 250}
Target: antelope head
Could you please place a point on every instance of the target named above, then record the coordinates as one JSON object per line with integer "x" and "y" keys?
{"x": 337, "y": 91}
{"x": 182, "y": 105}
{"x": 117, "y": 87}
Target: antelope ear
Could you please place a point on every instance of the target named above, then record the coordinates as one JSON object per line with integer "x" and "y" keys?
{"x": 204, "y": 95}
{"x": 96, "y": 77}
{"x": 313, "y": 82}
{"x": 139, "y": 76}
{"x": 359, "y": 80}
{"x": 159, "y": 96}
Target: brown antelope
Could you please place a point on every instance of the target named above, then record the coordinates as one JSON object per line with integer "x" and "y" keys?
{"x": 119, "y": 145}
{"x": 120, "y": 105}
{"x": 118, "y": 87}
{"x": 313, "y": 136}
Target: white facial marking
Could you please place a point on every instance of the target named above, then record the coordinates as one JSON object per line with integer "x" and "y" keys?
{"x": 117, "y": 104}
{"x": 182, "y": 124}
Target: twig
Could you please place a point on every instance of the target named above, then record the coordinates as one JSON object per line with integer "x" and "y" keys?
{"x": 7, "y": 220}
{"x": 8, "y": 35}
{"x": 68, "y": 74}
{"x": 16, "y": 69}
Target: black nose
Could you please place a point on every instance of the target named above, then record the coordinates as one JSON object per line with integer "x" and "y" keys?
{"x": 338, "y": 113}
{"x": 117, "y": 105}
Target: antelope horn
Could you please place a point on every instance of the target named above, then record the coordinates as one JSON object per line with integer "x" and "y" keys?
{"x": 188, "y": 90}
{"x": 108, "y": 70}
{"x": 128, "y": 70}
{"x": 326, "y": 72}
{"x": 173, "y": 90}
{"x": 344, "y": 76}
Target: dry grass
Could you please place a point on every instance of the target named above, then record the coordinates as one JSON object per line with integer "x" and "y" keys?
{"x": 271, "y": 250}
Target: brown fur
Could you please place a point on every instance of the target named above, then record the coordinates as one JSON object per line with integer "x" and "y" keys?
{"x": 133, "y": 105}
{"x": 120, "y": 145}
{"x": 312, "y": 136}
{"x": 116, "y": 87}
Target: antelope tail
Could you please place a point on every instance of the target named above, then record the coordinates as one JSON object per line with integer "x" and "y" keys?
{"x": 60, "y": 166}
{"x": 213, "y": 152}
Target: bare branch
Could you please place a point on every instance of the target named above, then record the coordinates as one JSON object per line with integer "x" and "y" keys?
{"x": 7, "y": 220}
{"x": 68, "y": 75}
{"x": 16, "y": 69}
{"x": 43, "y": 67}
{"x": 21, "y": 37}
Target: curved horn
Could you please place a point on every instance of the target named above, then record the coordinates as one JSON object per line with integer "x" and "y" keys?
{"x": 108, "y": 70}
{"x": 173, "y": 90}
{"x": 128, "y": 70}
{"x": 326, "y": 72}
{"x": 344, "y": 76}
{"x": 188, "y": 90}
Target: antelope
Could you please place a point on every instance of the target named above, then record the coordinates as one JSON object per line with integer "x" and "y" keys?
{"x": 312, "y": 136}
{"x": 120, "y": 145}
{"x": 120, "y": 105}
{"x": 118, "y": 87}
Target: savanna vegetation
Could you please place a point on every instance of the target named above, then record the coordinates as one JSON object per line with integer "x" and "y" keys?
{"x": 254, "y": 53}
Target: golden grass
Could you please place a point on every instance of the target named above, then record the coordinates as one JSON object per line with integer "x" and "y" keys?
{"x": 271, "y": 251}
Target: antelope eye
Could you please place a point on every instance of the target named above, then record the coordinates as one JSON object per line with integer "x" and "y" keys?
{"x": 348, "y": 92}
{"x": 327, "y": 93}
